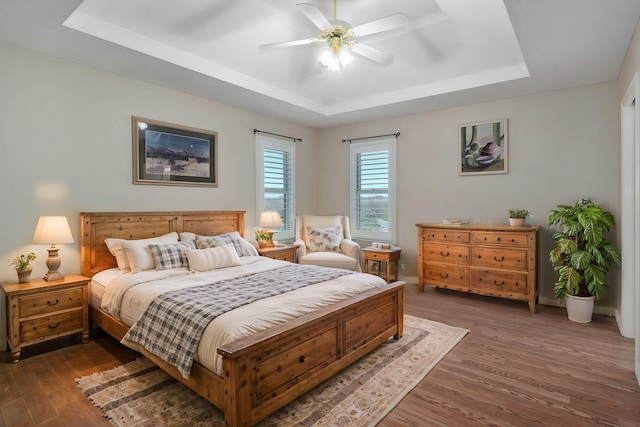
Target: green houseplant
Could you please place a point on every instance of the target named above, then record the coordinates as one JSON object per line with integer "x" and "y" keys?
{"x": 582, "y": 257}
{"x": 517, "y": 217}
{"x": 262, "y": 237}
{"x": 22, "y": 264}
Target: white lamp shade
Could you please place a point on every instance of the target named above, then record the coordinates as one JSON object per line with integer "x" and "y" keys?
{"x": 270, "y": 219}
{"x": 52, "y": 230}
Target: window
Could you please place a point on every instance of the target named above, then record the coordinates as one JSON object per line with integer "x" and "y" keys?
{"x": 373, "y": 189}
{"x": 276, "y": 190}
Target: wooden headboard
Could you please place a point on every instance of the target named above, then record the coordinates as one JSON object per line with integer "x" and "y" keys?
{"x": 95, "y": 227}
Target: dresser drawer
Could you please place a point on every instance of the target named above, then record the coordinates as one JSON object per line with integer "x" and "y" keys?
{"x": 494, "y": 238}
{"x": 54, "y": 324}
{"x": 511, "y": 259}
{"x": 446, "y": 275}
{"x": 49, "y": 302}
{"x": 433, "y": 234}
{"x": 450, "y": 254}
{"x": 499, "y": 282}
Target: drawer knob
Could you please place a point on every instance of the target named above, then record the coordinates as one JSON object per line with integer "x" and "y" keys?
{"x": 443, "y": 254}
{"x": 444, "y": 276}
{"x": 53, "y": 303}
{"x": 495, "y": 282}
{"x": 495, "y": 258}
{"x": 53, "y": 327}
{"x": 301, "y": 359}
{"x": 498, "y": 239}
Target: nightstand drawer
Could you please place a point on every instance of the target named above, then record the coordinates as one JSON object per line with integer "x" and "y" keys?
{"x": 55, "y": 324}
{"x": 48, "y": 302}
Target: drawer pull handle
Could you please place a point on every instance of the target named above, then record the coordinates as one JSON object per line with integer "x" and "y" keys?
{"x": 301, "y": 359}
{"x": 495, "y": 282}
{"x": 444, "y": 276}
{"x": 53, "y": 327}
{"x": 443, "y": 254}
{"x": 53, "y": 303}
{"x": 496, "y": 259}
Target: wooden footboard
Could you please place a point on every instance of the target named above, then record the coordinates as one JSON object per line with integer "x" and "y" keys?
{"x": 267, "y": 370}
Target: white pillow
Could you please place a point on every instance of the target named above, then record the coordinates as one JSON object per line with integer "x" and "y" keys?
{"x": 115, "y": 247}
{"x": 212, "y": 258}
{"x": 140, "y": 256}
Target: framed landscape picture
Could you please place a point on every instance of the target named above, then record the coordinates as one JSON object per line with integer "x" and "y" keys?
{"x": 484, "y": 148}
{"x": 168, "y": 154}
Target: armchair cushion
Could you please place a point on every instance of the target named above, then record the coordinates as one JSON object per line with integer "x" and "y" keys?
{"x": 329, "y": 259}
{"x": 324, "y": 239}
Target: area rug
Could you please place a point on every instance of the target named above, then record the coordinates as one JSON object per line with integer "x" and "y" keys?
{"x": 140, "y": 394}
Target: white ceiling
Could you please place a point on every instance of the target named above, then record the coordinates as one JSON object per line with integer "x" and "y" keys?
{"x": 453, "y": 52}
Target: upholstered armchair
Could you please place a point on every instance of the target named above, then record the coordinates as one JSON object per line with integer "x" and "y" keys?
{"x": 326, "y": 241}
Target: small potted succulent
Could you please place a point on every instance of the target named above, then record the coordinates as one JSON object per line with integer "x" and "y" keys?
{"x": 517, "y": 217}
{"x": 22, "y": 264}
{"x": 262, "y": 237}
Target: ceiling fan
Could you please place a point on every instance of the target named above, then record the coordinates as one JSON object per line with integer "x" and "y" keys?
{"x": 342, "y": 39}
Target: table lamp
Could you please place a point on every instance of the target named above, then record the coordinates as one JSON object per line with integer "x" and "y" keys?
{"x": 52, "y": 230}
{"x": 269, "y": 219}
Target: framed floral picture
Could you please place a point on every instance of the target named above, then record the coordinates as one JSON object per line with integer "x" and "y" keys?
{"x": 168, "y": 154}
{"x": 484, "y": 148}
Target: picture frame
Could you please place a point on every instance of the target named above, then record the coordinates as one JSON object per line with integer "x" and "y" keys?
{"x": 484, "y": 148}
{"x": 170, "y": 154}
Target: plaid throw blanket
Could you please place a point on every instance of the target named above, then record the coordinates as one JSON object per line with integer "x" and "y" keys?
{"x": 172, "y": 325}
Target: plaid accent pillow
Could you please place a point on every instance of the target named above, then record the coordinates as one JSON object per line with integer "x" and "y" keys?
{"x": 172, "y": 256}
{"x": 324, "y": 239}
{"x": 233, "y": 238}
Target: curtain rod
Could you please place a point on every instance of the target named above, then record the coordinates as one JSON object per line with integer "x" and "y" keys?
{"x": 397, "y": 134}
{"x": 276, "y": 134}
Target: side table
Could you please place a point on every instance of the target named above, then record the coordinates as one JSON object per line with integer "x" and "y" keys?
{"x": 284, "y": 252}
{"x": 39, "y": 311}
{"x": 389, "y": 256}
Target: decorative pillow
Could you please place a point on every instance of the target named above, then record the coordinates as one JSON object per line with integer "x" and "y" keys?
{"x": 138, "y": 253}
{"x": 241, "y": 246}
{"x": 324, "y": 239}
{"x": 171, "y": 256}
{"x": 212, "y": 258}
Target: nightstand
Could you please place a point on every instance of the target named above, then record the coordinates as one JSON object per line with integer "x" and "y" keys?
{"x": 285, "y": 252}
{"x": 39, "y": 311}
{"x": 389, "y": 256}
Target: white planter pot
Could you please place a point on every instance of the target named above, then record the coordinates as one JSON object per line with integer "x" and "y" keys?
{"x": 579, "y": 309}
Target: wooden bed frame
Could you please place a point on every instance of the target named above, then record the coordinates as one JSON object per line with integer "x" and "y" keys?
{"x": 267, "y": 370}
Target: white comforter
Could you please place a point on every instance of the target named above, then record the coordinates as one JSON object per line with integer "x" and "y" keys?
{"x": 127, "y": 296}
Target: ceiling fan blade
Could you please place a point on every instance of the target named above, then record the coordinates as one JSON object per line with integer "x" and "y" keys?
{"x": 314, "y": 15}
{"x": 391, "y": 22}
{"x": 372, "y": 53}
{"x": 288, "y": 44}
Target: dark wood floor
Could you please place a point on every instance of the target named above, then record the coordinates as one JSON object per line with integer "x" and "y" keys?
{"x": 513, "y": 369}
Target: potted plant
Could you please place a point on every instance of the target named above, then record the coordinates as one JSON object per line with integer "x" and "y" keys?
{"x": 582, "y": 257}
{"x": 22, "y": 264}
{"x": 517, "y": 217}
{"x": 262, "y": 237}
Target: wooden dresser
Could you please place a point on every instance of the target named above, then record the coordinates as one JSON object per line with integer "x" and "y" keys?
{"x": 490, "y": 260}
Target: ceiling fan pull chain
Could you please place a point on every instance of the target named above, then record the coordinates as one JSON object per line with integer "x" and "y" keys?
{"x": 335, "y": 10}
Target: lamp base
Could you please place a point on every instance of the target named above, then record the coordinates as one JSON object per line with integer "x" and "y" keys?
{"x": 269, "y": 243}
{"x": 53, "y": 263}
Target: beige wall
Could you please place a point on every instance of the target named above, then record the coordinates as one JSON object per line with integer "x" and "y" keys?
{"x": 563, "y": 145}
{"x": 65, "y": 140}
{"x": 65, "y": 144}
